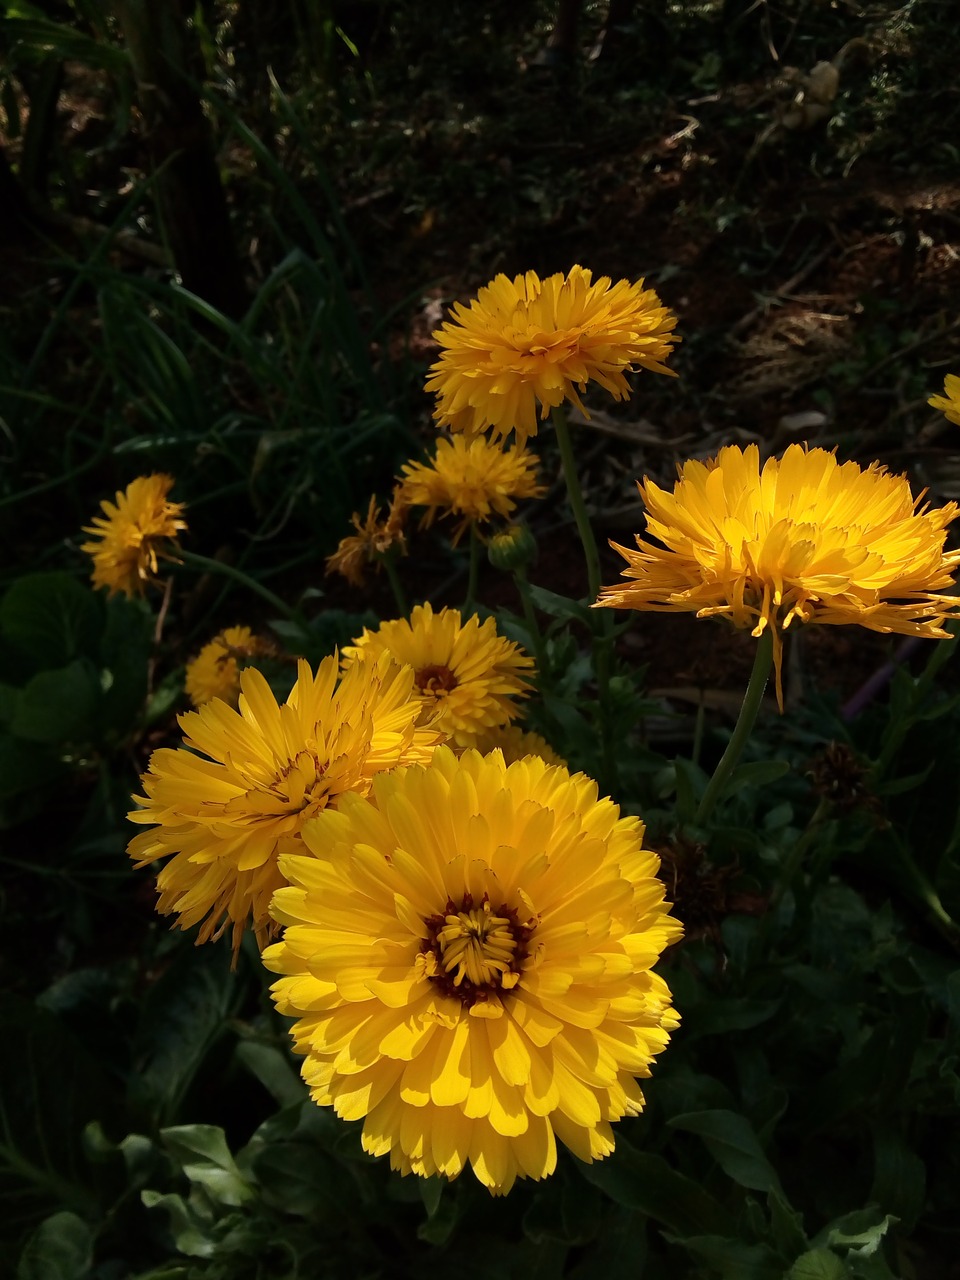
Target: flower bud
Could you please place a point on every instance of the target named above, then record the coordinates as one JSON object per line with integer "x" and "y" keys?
{"x": 512, "y": 548}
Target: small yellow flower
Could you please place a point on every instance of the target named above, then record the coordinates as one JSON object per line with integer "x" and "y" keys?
{"x": 804, "y": 538}
{"x": 226, "y": 804}
{"x": 949, "y": 402}
{"x": 515, "y": 743}
{"x": 528, "y": 340}
{"x": 472, "y": 479}
{"x": 372, "y": 541}
{"x": 469, "y": 959}
{"x": 132, "y": 535}
{"x": 466, "y": 675}
{"x": 215, "y": 671}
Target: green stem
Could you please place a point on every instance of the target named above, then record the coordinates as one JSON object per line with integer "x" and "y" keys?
{"x": 923, "y": 685}
{"x": 530, "y": 617}
{"x": 738, "y": 739}
{"x": 577, "y": 505}
{"x": 396, "y": 587}
{"x": 470, "y": 604}
{"x": 230, "y": 571}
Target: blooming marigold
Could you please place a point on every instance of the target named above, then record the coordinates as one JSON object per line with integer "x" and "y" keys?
{"x": 375, "y": 537}
{"x": 515, "y": 743}
{"x": 473, "y": 479}
{"x": 215, "y": 671}
{"x": 132, "y": 534}
{"x": 949, "y": 402}
{"x": 466, "y": 674}
{"x": 469, "y": 959}
{"x": 223, "y": 807}
{"x": 528, "y": 340}
{"x": 804, "y": 537}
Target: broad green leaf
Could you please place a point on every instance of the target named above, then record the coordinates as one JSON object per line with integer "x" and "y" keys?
{"x": 731, "y": 1141}
{"x": 759, "y": 773}
{"x": 817, "y": 1264}
{"x": 50, "y": 618}
{"x": 860, "y": 1232}
{"x": 719, "y": 1016}
{"x": 732, "y": 1259}
{"x": 642, "y": 1180}
{"x": 61, "y": 1248}
{"x": 58, "y": 706}
{"x": 899, "y": 1177}
{"x": 300, "y": 1178}
{"x": 786, "y": 1226}
{"x": 272, "y": 1068}
{"x": 558, "y": 606}
{"x": 192, "y": 1232}
{"x": 202, "y": 1153}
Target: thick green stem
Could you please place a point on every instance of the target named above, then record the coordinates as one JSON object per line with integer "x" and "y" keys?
{"x": 230, "y": 571}
{"x": 738, "y": 739}
{"x": 470, "y": 604}
{"x": 577, "y": 504}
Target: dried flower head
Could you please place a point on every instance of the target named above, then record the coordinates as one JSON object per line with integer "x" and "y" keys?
{"x": 374, "y": 539}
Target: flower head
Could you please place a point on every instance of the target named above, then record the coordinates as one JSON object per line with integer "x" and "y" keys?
{"x": 804, "y": 538}
{"x": 215, "y": 671}
{"x": 223, "y": 807}
{"x": 528, "y": 340}
{"x": 469, "y": 959}
{"x": 466, "y": 675}
{"x": 132, "y": 535}
{"x": 949, "y": 402}
{"x": 375, "y": 537}
{"x": 515, "y": 743}
{"x": 472, "y": 479}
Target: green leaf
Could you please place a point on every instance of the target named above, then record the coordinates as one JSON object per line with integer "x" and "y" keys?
{"x": 859, "y": 1232}
{"x": 58, "y": 706}
{"x": 192, "y": 1232}
{"x": 759, "y": 773}
{"x": 899, "y": 1177}
{"x": 300, "y": 1178}
{"x": 719, "y": 1016}
{"x": 125, "y": 651}
{"x": 50, "y": 619}
{"x": 202, "y": 1153}
{"x": 642, "y": 1180}
{"x": 731, "y": 1141}
{"x": 61, "y": 1248}
{"x": 733, "y": 1259}
{"x": 817, "y": 1264}
{"x": 557, "y": 606}
{"x": 271, "y": 1066}
{"x": 786, "y": 1226}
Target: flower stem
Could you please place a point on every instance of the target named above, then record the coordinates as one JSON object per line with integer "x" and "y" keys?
{"x": 577, "y": 505}
{"x": 470, "y": 604}
{"x": 745, "y": 721}
{"x": 230, "y": 571}
{"x": 396, "y": 587}
{"x": 530, "y": 617}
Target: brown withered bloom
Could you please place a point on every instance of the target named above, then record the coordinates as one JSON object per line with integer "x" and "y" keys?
{"x": 701, "y": 890}
{"x": 374, "y": 539}
{"x": 839, "y": 775}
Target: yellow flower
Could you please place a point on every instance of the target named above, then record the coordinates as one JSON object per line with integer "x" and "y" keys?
{"x": 527, "y": 340}
{"x": 469, "y": 959}
{"x": 372, "y": 541}
{"x": 515, "y": 743}
{"x": 805, "y": 538}
{"x": 225, "y": 808}
{"x": 466, "y": 674}
{"x": 132, "y": 533}
{"x": 473, "y": 479}
{"x": 949, "y": 402}
{"x": 215, "y": 671}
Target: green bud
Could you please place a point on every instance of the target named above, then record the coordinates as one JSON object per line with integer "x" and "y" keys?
{"x": 512, "y": 548}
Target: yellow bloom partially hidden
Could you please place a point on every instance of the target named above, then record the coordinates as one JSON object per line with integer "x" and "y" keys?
{"x": 515, "y": 743}
{"x": 133, "y": 534}
{"x": 225, "y": 805}
{"x": 469, "y": 959}
{"x": 804, "y": 538}
{"x": 215, "y": 671}
{"x": 470, "y": 479}
{"x": 374, "y": 539}
{"x": 527, "y": 341}
{"x": 466, "y": 675}
{"x": 949, "y": 402}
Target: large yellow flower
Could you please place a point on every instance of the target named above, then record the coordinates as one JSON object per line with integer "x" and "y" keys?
{"x": 803, "y": 538}
{"x": 528, "y": 340}
{"x": 469, "y": 956}
{"x": 215, "y": 671}
{"x": 949, "y": 402}
{"x": 223, "y": 807}
{"x": 467, "y": 676}
{"x": 514, "y": 742}
{"x": 132, "y": 535}
{"x": 472, "y": 479}
{"x": 374, "y": 539}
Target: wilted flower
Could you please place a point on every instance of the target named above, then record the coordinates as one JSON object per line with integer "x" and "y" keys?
{"x": 215, "y": 671}
{"x": 949, "y": 402}
{"x": 133, "y": 534}
{"x": 466, "y": 674}
{"x": 472, "y": 479}
{"x": 527, "y": 341}
{"x": 804, "y": 538}
{"x": 375, "y": 538}
{"x": 469, "y": 959}
{"x": 226, "y": 804}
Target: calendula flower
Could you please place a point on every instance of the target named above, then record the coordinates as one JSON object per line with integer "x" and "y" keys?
{"x": 215, "y": 671}
{"x": 375, "y": 538}
{"x": 469, "y": 959}
{"x": 949, "y": 402}
{"x": 466, "y": 675}
{"x": 804, "y": 538}
{"x": 527, "y": 341}
{"x": 514, "y": 743}
{"x": 472, "y": 479}
{"x": 133, "y": 534}
{"x": 224, "y": 806}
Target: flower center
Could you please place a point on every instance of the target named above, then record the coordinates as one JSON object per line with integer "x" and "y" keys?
{"x": 435, "y": 680}
{"x": 300, "y": 786}
{"x": 474, "y": 951}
